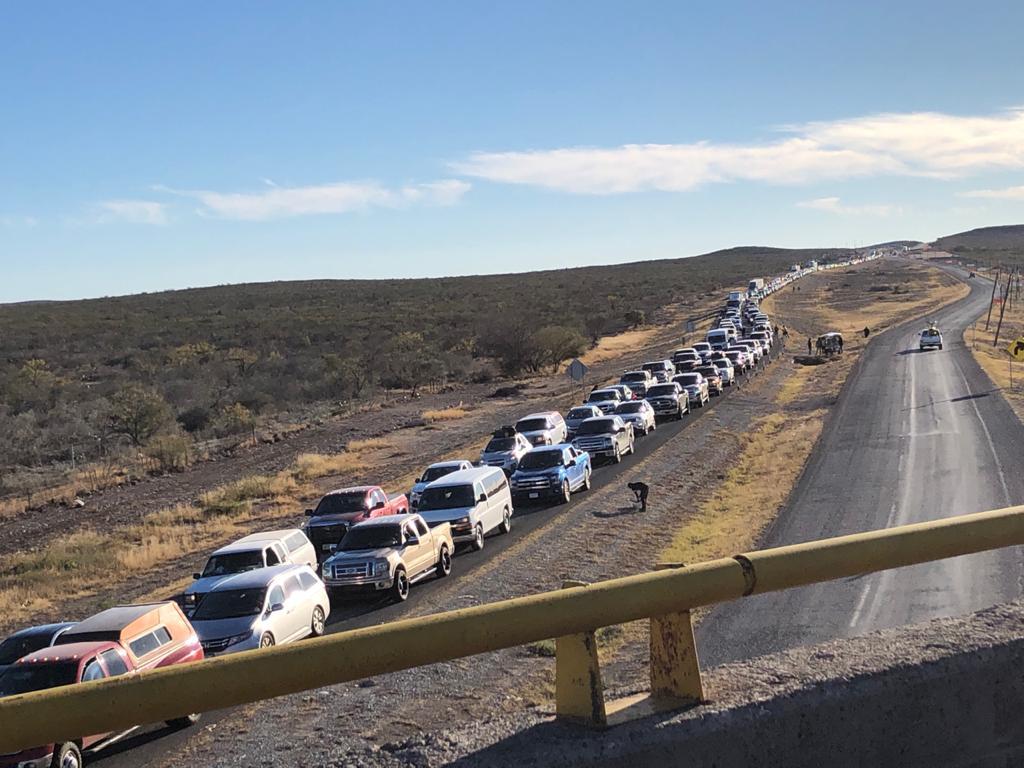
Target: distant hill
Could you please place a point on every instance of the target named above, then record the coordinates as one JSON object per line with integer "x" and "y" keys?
{"x": 991, "y": 245}
{"x": 211, "y": 358}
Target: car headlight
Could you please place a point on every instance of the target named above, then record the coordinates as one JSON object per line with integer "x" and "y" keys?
{"x": 463, "y": 520}
{"x": 235, "y": 639}
{"x": 381, "y": 567}
{"x": 190, "y": 599}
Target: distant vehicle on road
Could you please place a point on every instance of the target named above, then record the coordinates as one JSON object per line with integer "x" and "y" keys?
{"x": 714, "y": 379}
{"x": 606, "y": 399}
{"x": 695, "y": 386}
{"x": 757, "y": 284}
{"x": 668, "y": 400}
{"x": 640, "y": 414}
{"x": 625, "y": 390}
{"x": 389, "y": 554}
{"x": 474, "y": 501}
{"x": 606, "y": 436}
{"x": 725, "y": 370}
{"x": 703, "y": 349}
{"x": 257, "y": 550}
{"x": 638, "y": 381}
{"x": 551, "y": 472}
{"x": 435, "y": 472}
{"x": 340, "y": 509}
{"x": 930, "y": 339}
{"x": 505, "y": 448}
{"x": 581, "y": 413}
{"x": 662, "y": 370}
{"x": 547, "y": 428}
{"x": 258, "y": 609}
{"x": 686, "y": 359}
{"x": 28, "y": 640}
{"x": 719, "y": 338}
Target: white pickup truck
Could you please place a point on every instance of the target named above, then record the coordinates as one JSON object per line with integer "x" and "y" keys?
{"x": 388, "y": 553}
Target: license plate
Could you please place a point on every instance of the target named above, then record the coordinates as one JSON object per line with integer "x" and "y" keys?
{"x": 534, "y": 495}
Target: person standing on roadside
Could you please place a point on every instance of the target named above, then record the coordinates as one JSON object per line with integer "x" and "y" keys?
{"x": 809, "y": 345}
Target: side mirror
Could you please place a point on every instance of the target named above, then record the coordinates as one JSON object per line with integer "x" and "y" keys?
{"x": 412, "y": 541}
{"x": 197, "y": 576}
{"x": 482, "y": 498}
{"x": 276, "y": 607}
{"x": 309, "y": 513}
{"x": 379, "y": 505}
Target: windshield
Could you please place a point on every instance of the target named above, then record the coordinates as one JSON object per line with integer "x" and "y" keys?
{"x": 930, "y": 332}
{"x": 702, "y": 346}
{"x": 541, "y": 460}
{"x": 531, "y": 425}
{"x": 13, "y": 648}
{"x": 22, "y": 678}
{"x": 707, "y": 371}
{"x": 634, "y": 407}
{"x": 433, "y": 473}
{"x": 341, "y": 503}
{"x": 716, "y": 335}
{"x": 654, "y": 366}
{"x": 599, "y": 395}
{"x": 688, "y": 378}
{"x": 722, "y": 364}
{"x": 371, "y": 537}
{"x": 230, "y": 604}
{"x": 446, "y": 497}
{"x": 580, "y": 413}
{"x": 498, "y": 444}
{"x": 662, "y": 390}
{"x": 631, "y": 377}
{"x": 596, "y": 427}
{"x": 234, "y": 562}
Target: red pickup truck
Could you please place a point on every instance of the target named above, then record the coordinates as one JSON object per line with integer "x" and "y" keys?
{"x": 340, "y": 509}
{"x": 118, "y": 641}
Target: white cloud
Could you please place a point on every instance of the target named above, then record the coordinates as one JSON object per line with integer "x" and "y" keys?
{"x": 8, "y": 221}
{"x": 1006, "y": 193}
{"x": 913, "y": 144}
{"x": 835, "y": 205}
{"x": 134, "y": 211}
{"x": 276, "y": 202}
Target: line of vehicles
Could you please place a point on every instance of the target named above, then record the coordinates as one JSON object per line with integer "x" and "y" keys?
{"x": 276, "y": 587}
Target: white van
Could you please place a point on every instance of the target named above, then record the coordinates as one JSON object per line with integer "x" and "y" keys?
{"x": 257, "y": 550}
{"x": 720, "y": 338}
{"x": 475, "y": 501}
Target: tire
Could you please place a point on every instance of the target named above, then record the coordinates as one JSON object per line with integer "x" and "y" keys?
{"x": 632, "y": 447}
{"x": 586, "y": 480}
{"x": 618, "y": 456}
{"x": 399, "y": 592}
{"x": 566, "y": 494}
{"x": 184, "y": 722}
{"x": 444, "y": 563}
{"x": 940, "y": 346}
{"x": 67, "y": 755}
{"x": 679, "y": 414}
{"x": 506, "y": 522}
{"x": 478, "y": 538}
{"x": 318, "y": 623}
{"x": 267, "y": 641}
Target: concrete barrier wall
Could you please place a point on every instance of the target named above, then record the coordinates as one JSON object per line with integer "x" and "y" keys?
{"x": 950, "y": 692}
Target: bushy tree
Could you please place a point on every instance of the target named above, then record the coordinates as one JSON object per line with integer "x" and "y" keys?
{"x": 139, "y": 412}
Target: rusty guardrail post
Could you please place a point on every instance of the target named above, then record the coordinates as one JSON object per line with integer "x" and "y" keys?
{"x": 579, "y": 692}
{"x": 675, "y": 668}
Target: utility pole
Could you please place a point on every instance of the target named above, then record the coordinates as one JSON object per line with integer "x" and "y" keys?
{"x": 1002, "y": 311}
{"x": 992, "y": 300}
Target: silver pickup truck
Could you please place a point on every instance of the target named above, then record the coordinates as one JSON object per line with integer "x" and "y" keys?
{"x": 388, "y": 553}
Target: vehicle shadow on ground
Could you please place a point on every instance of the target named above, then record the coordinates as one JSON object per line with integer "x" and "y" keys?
{"x": 960, "y": 399}
{"x": 903, "y": 352}
{"x": 134, "y": 741}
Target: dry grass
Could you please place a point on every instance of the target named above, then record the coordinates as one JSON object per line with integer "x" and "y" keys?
{"x": 446, "y": 414}
{"x": 310, "y": 466}
{"x": 370, "y": 444}
{"x": 996, "y": 360}
{"x": 239, "y": 495}
{"x": 609, "y": 347}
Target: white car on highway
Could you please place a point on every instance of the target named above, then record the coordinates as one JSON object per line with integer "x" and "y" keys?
{"x": 930, "y": 339}
{"x": 640, "y": 414}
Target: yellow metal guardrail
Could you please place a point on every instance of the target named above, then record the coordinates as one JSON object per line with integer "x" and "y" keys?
{"x": 571, "y": 615}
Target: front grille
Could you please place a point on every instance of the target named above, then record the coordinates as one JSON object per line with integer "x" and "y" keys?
{"x": 348, "y": 571}
{"x": 664, "y": 405}
{"x": 327, "y": 534}
{"x": 532, "y": 484}
{"x": 215, "y": 646}
{"x": 593, "y": 443}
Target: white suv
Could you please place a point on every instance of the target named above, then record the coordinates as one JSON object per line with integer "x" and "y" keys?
{"x": 930, "y": 338}
{"x": 547, "y": 428}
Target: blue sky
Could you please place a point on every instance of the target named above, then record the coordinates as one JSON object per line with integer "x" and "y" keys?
{"x": 145, "y": 147}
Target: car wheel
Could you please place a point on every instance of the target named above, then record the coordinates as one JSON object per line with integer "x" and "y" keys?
{"x": 318, "y": 624}
{"x": 184, "y": 722}
{"x": 400, "y": 586}
{"x": 267, "y": 640}
{"x": 940, "y": 346}
{"x": 67, "y": 756}
{"x": 478, "y": 538}
{"x": 506, "y": 522}
{"x": 618, "y": 456}
{"x": 586, "y": 480}
{"x": 444, "y": 563}
{"x": 632, "y": 446}
{"x": 566, "y": 493}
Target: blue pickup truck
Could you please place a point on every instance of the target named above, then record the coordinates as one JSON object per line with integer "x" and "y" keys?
{"x": 553, "y": 471}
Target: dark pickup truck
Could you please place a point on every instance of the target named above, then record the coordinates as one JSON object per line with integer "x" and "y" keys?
{"x": 339, "y": 510}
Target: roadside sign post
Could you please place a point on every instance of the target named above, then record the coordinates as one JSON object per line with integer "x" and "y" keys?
{"x": 577, "y": 371}
{"x": 1016, "y": 350}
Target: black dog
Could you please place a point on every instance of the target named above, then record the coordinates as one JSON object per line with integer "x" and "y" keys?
{"x": 640, "y": 490}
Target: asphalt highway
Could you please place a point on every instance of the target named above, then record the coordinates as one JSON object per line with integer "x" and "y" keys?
{"x": 915, "y": 436}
